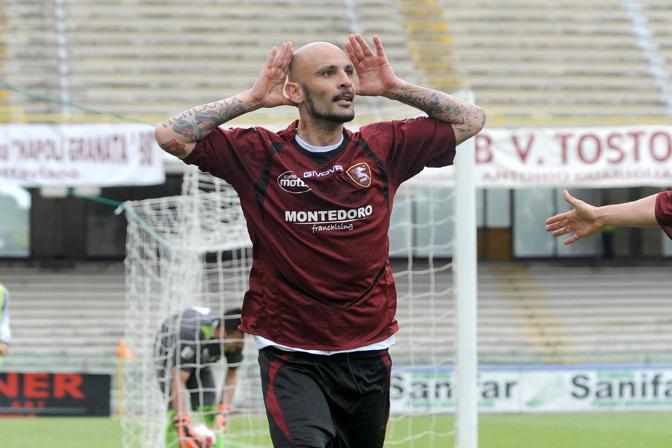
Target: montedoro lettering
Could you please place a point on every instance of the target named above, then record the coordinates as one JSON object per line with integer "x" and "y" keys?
{"x": 320, "y": 216}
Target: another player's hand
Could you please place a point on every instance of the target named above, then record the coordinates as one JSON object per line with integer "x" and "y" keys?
{"x": 268, "y": 88}
{"x": 374, "y": 71}
{"x": 4, "y": 349}
{"x": 186, "y": 437}
{"x": 221, "y": 418}
{"x": 582, "y": 220}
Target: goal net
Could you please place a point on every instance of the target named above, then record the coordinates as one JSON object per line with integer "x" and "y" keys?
{"x": 193, "y": 249}
{"x": 184, "y": 251}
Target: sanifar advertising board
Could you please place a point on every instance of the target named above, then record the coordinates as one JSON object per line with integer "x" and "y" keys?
{"x": 543, "y": 389}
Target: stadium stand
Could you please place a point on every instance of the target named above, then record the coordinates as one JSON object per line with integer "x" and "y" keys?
{"x": 66, "y": 317}
{"x": 568, "y": 60}
{"x": 530, "y": 63}
{"x": 122, "y": 58}
{"x": 73, "y": 318}
{"x": 4, "y": 93}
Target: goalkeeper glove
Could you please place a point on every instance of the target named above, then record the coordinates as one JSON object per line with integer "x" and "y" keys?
{"x": 186, "y": 437}
{"x": 223, "y": 412}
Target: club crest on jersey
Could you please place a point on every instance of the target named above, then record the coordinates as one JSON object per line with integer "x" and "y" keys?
{"x": 292, "y": 183}
{"x": 360, "y": 174}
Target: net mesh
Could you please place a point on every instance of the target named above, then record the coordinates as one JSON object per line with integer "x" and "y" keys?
{"x": 194, "y": 249}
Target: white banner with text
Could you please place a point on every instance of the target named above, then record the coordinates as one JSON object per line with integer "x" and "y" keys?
{"x": 127, "y": 154}
{"x": 73, "y": 155}
{"x": 569, "y": 157}
{"x": 541, "y": 389}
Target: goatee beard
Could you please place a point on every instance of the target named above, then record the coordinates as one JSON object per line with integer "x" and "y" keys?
{"x": 326, "y": 116}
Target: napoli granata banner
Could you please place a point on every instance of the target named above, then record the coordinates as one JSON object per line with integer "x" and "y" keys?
{"x": 54, "y": 394}
{"x": 76, "y": 155}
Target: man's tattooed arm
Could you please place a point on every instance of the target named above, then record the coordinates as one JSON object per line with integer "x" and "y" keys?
{"x": 178, "y": 135}
{"x": 467, "y": 119}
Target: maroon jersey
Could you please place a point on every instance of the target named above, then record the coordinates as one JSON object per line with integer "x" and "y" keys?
{"x": 664, "y": 211}
{"x": 321, "y": 277}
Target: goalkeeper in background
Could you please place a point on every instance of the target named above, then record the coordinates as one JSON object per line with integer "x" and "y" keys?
{"x": 317, "y": 198}
{"x": 5, "y": 333}
{"x": 186, "y": 346}
{"x": 585, "y": 219}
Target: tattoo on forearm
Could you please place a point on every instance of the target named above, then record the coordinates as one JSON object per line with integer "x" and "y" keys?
{"x": 463, "y": 115}
{"x": 196, "y": 123}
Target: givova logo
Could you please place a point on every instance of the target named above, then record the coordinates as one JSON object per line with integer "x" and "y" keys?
{"x": 291, "y": 183}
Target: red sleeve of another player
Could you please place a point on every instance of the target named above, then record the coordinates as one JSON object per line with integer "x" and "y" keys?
{"x": 664, "y": 211}
{"x": 236, "y": 155}
{"x": 417, "y": 143}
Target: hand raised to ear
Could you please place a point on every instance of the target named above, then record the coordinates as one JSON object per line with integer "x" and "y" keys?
{"x": 375, "y": 73}
{"x": 268, "y": 88}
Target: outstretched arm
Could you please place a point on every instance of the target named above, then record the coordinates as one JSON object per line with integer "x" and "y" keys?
{"x": 229, "y": 390}
{"x": 585, "y": 219}
{"x": 178, "y": 135}
{"x": 178, "y": 391}
{"x": 226, "y": 402}
{"x": 376, "y": 78}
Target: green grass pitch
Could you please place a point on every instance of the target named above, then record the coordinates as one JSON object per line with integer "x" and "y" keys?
{"x": 608, "y": 430}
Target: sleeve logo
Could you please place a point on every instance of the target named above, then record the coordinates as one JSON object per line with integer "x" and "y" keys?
{"x": 360, "y": 174}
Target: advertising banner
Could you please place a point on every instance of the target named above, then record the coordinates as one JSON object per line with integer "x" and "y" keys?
{"x": 550, "y": 389}
{"x": 54, "y": 394}
{"x": 101, "y": 155}
{"x": 569, "y": 157}
{"x": 77, "y": 155}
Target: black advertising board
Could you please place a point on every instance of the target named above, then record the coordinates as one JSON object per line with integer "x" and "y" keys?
{"x": 54, "y": 394}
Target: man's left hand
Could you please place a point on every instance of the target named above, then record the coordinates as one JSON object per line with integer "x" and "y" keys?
{"x": 376, "y": 76}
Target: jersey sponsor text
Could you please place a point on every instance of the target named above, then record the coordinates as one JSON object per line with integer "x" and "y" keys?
{"x": 332, "y": 170}
{"x": 291, "y": 183}
{"x": 328, "y": 216}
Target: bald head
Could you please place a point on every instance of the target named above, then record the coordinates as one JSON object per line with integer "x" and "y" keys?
{"x": 321, "y": 84}
{"x": 314, "y": 55}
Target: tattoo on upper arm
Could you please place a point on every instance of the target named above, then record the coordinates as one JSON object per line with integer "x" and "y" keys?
{"x": 196, "y": 123}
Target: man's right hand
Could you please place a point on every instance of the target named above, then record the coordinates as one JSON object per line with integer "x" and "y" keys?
{"x": 581, "y": 221}
{"x": 267, "y": 90}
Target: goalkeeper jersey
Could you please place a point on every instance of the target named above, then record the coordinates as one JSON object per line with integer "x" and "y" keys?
{"x": 186, "y": 340}
{"x": 321, "y": 277}
{"x": 664, "y": 211}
